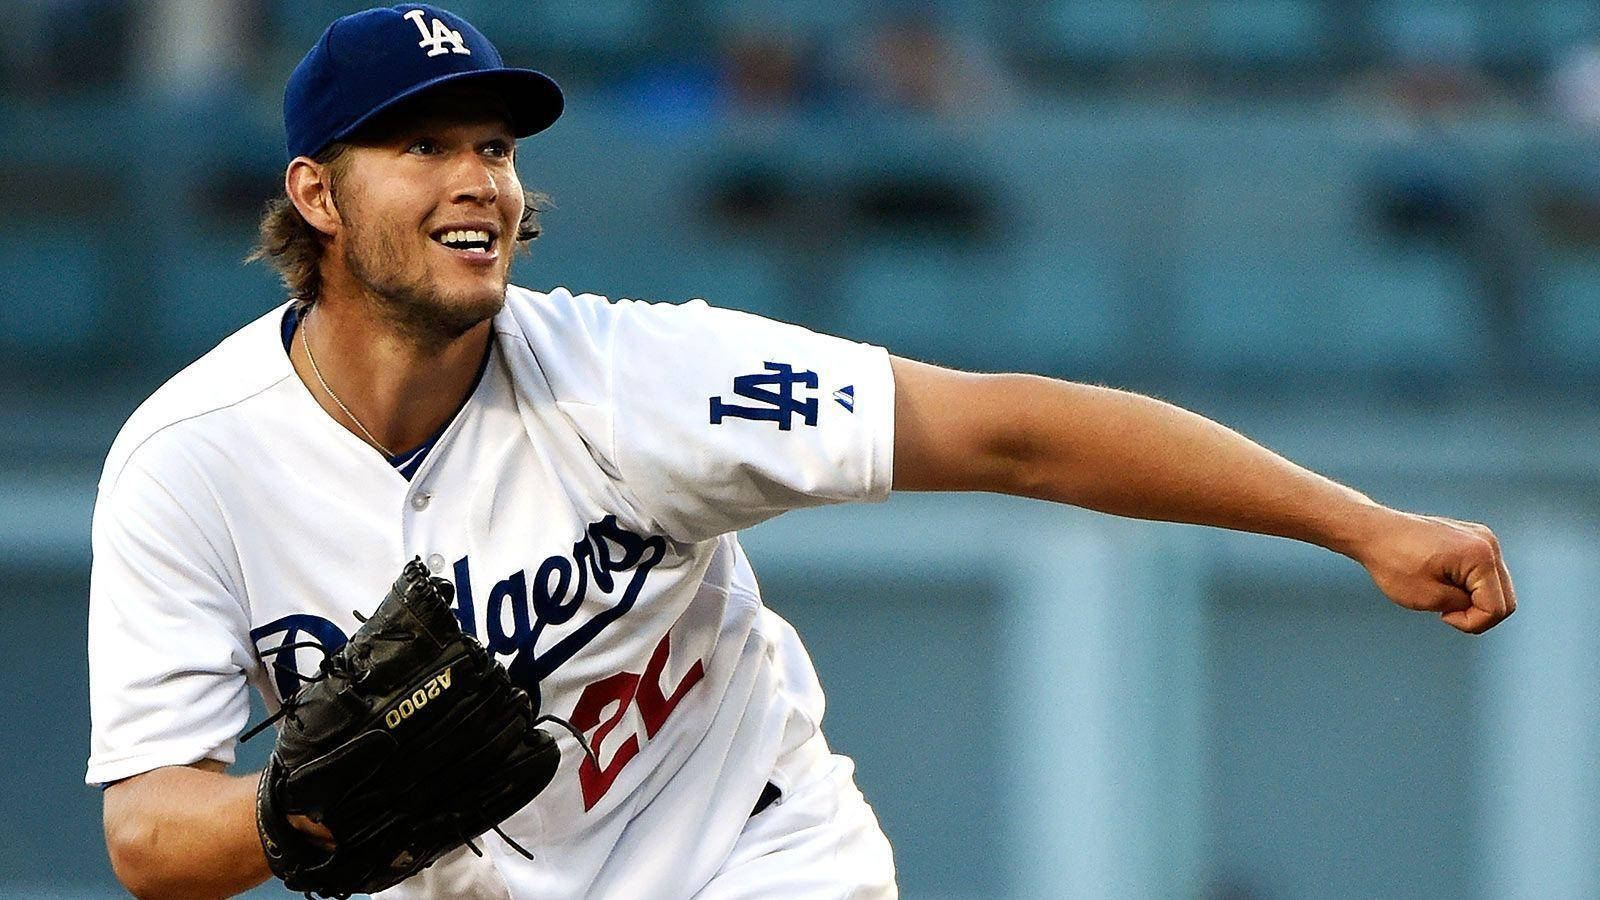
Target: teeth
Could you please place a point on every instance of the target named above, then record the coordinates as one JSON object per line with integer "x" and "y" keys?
{"x": 465, "y": 237}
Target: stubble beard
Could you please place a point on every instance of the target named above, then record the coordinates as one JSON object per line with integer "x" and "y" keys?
{"x": 410, "y": 302}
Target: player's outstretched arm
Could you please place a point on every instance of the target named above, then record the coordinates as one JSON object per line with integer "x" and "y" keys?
{"x": 1131, "y": 455}
{"x": 185, "y": 831}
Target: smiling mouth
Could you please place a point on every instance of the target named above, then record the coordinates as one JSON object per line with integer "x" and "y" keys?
{"x": 475, "y": 243}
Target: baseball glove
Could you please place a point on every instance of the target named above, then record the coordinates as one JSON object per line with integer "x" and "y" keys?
{"x": 410, "y": 742}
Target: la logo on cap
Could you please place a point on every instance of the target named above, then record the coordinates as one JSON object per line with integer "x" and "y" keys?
{"x": 442, "y": 34}
{"x": 364, "y": 64}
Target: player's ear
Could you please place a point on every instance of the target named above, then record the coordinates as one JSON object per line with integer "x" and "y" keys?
{"x": 309, "y": 187}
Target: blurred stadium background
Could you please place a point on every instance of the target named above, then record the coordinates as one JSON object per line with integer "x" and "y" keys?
{"x": 1362, "y": 231}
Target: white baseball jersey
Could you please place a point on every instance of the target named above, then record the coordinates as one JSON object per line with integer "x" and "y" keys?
{"x": 583, "y": 501}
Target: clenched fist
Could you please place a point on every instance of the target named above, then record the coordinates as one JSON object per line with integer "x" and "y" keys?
{"x": 1433, "y": 564}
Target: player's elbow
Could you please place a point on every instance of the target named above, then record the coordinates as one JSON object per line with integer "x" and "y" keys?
{"x": 960, "y": 431}
{"x": 131, "y": 843}
{"x": 1017, "y": 452}
{"x": 134, "y": 844}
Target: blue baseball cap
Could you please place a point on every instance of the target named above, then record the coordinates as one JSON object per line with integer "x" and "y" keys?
{"x": 369, "y": 61}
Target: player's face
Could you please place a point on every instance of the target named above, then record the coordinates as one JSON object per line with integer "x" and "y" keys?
{"x": 429, "y": 207}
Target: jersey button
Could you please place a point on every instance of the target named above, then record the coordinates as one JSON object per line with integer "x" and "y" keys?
{"x": 419, "y": 500}
{"x": 435, "y": 563}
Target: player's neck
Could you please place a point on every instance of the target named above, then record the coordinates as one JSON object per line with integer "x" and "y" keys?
{"x": 399, "y": 389}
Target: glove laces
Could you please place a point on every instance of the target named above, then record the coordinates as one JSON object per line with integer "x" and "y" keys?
{"x": 290, "y": 702}
{"x": 329, "y": 662}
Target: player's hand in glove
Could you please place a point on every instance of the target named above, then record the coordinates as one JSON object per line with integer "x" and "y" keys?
{"x": 1440, "y": 565}
{"x": 411, "y": 742}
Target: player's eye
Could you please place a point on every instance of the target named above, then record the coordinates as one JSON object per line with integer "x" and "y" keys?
{"x": 497, "y": 148}
{"x": 423, "y": 146}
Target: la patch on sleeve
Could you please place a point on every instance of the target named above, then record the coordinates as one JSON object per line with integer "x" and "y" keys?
{"x": 774, "y": 390}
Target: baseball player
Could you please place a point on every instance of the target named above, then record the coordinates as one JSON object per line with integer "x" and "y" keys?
{"x": 577, "y": 468}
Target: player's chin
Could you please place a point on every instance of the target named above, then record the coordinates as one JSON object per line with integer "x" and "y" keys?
{"x": 474, "y": 298}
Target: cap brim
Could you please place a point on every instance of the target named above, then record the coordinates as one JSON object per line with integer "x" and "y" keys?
{"x": 532, "y": 98}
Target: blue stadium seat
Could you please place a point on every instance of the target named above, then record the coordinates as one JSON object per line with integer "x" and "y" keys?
{"x": 569, "y": 24}
{"x": 299, "y": 23}
{"x": 732, "y": 275}
{"x": 595, "y": 244}
{"x": 790, "y": 16}
{"x": 55, "y": 288}
{"x": 1072, "y": 310}
{"x": 1047, "y": 312}
{"x": 910, "y": 301}
{"x": 206, "y": 292}
{"x": 1429, "y": 28}
{"x": 595, "y": 26}
{"x": 1531, "y": 34}
{"x": 1411, "y": 309}
{"x": 1109, "y": 31}
{"x": 1261, "y": 32}
{"x": 1371, "y": 308}
{"x": 1557, "y": 25}
{"x": 1244, "y": 306}
{"x": 735, "y": 276}
{"x": 1564, "y": 317}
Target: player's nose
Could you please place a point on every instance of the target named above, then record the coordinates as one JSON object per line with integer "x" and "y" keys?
{"x": 473, "y": 181}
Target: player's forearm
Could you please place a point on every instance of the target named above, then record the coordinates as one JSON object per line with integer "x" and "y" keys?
{"x": 184, "y": 832}
{"x": 1132, "y": 455}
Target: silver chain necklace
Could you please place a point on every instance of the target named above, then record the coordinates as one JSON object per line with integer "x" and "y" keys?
{"x": 305, "y": 321}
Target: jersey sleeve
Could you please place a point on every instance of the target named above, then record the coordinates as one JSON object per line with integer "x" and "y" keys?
{"x": 168, "y": 641}
{"x": 722, "y": 419}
